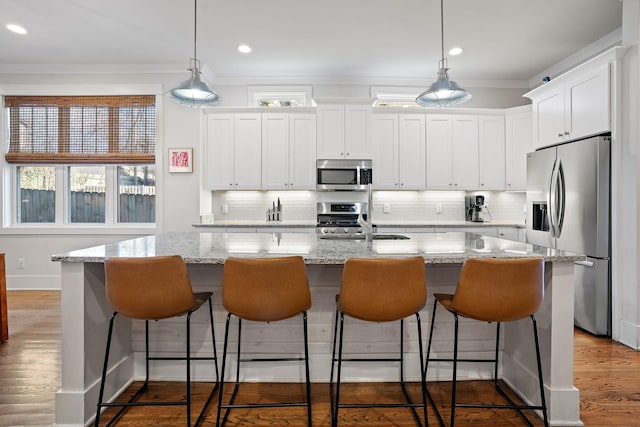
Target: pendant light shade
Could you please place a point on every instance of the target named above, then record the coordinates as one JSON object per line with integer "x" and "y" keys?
{"x": 194, "y": 92}
{"x": 444, "y": 92}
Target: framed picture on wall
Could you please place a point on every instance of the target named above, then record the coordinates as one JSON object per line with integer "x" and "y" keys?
{"x": 180, "y": 160}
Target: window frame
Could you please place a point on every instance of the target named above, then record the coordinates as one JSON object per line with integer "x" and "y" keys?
{"x": 8, "y": 177}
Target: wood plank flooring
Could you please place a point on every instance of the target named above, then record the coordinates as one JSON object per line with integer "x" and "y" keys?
{"x": 607, "y": 374}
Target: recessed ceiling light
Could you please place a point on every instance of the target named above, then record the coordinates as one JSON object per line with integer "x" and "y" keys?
{"x": 455, "y": 51}
{"x": 243, "y": 48}
{"x": 16, "y": 29}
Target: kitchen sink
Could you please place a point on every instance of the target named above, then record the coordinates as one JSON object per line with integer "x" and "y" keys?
{"x": 362, "y": 237}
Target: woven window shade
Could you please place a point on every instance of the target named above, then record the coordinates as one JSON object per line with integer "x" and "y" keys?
{"x": 81, "y": 129}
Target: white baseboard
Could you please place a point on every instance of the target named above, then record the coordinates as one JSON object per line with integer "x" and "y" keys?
{"x": 629, "y": 334}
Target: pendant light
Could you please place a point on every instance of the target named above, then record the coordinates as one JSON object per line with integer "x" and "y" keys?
{"x": 444, "y": 92}
{"x": 194, "y": 92}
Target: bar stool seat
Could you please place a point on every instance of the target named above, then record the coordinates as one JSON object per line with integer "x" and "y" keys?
{"x": 264, "y": 290}
{"x": 496, "y": 291}
{"x": 379, "y": 290}
{"x": 154, "y": 288}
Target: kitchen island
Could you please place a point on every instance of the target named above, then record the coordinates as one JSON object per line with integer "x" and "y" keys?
{"x": 85, "y": 315}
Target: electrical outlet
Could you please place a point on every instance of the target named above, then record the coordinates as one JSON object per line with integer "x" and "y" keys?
{"x": 386, "y": 207}
{"x": 21, "y": 262}
{"x": 438, "y": 208}
{"x": 225, "y": 208}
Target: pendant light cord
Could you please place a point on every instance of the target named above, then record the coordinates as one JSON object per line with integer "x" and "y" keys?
{"x": 441, "y": 26}
{"x": 195, "y": 29}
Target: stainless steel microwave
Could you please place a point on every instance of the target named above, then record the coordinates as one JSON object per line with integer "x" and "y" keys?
{"x": 344, "y": 174}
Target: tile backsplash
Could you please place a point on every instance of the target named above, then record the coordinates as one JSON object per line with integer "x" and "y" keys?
{"x": 399, "y": 205}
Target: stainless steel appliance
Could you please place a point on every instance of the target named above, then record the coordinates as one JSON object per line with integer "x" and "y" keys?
{"x": 568, "y": 208}
{"x": 474, "y": 206}
{"x": 340, "y": 218}
{"x": 344, "y": 174}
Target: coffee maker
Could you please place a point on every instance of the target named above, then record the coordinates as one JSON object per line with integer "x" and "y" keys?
{"x": 473, "y": 208}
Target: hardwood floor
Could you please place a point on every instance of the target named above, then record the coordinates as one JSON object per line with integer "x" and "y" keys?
{"x": 30, "y": 359}
{"x": 607, "y": 374}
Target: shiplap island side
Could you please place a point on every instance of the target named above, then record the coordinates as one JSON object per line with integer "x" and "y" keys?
{"x": 85, "y": 316}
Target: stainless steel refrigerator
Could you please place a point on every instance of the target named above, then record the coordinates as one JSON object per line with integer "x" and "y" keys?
{"x": 568, "y": 208}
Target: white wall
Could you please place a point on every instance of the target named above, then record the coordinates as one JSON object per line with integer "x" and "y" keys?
{"x": 626, "y": 303}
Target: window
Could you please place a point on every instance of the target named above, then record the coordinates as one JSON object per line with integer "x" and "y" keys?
{"x": 36, "y": 194}
{"x": 98, "y": 151}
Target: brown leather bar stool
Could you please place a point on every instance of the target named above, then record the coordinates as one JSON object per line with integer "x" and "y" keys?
{"x": 494, "y": 290}
{"x": 264, "y": 290}
{"x": 379, "y": 290}
{"x": 154, "y": 288}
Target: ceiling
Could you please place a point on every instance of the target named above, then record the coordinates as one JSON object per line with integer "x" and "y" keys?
{"x": 357, "y": 39}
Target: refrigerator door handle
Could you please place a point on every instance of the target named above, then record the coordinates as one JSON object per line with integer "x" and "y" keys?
{"x": 561, "y": 199}
{"x": 584, "y": 263}
{"x": 551, "y": 201}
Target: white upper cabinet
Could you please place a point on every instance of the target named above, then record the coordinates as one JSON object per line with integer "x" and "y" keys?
{"x": 491, "y": 151}
{"x": 452, "y": 152}
{"x": 288, "y": 151}
{"x": 399, "y": 157}
{"x": 344, "y": 132}
{"x": 575, "y": 106}
{"x": 439, "y": 152}
{"x": 233, "y": 147}
{"x": 519, "y": 142}
{"x": 385, "y": 140}
{"x": 411, "y": 152}
{"x": 465, "y": 152}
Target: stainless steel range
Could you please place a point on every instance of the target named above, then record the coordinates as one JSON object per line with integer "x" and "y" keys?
{"x": 340, "y": 218}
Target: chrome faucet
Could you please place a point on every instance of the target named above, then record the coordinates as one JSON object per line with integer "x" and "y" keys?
{"x": 367, "y": 225}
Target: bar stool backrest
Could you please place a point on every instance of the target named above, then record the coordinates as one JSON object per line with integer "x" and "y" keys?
{"x": 149, "y": 288}
{"x": 265, "y": 289}
{"x": 382, "y": 289}
{"x": 499, "y": 290}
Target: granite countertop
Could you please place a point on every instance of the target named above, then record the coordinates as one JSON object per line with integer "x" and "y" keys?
{"x": 396, "y": 224}
{"x": 214, "y": 248}
{"x": 259, "y": 224}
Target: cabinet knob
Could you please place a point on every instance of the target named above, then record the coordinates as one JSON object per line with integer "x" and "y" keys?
{"x": 347, "y": 154}
{"x": 481, "y": 185}
{"x": 291, "y": 184}
{"x": 231, "y": 184}
{"x": 285, "y": 184}
{"x": 560, "y": 134}
{"x": 566, "y": 132}
{"x": 342, "y": 154}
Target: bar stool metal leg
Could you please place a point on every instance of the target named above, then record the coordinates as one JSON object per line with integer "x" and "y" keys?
{"x": 222, "y": 419}
{"x": 335, "y": 396}
{"x": 511, "y": 404}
